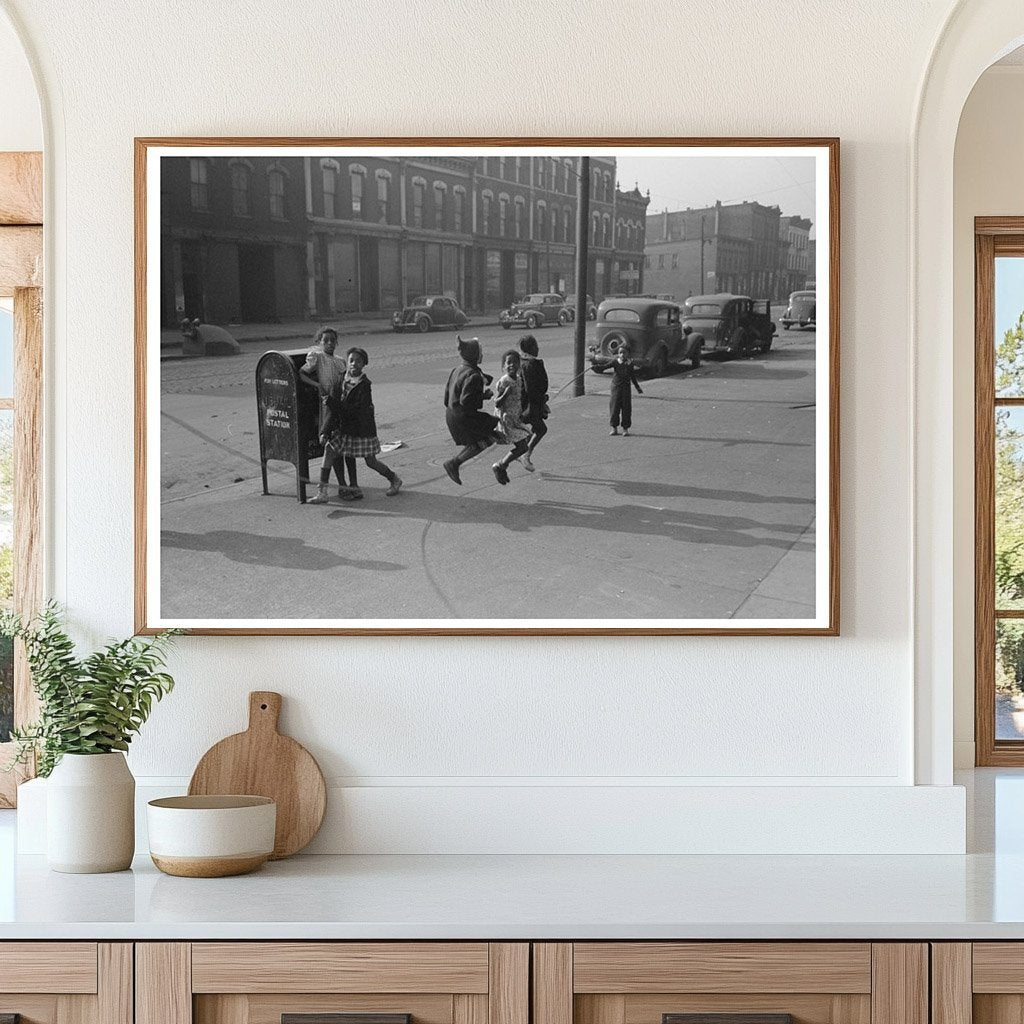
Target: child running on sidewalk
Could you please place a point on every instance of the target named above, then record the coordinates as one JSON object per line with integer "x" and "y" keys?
{"x": 508, "y": 402}
{"x": 621, "y": 403}
{"x": 355, "y": 432}
{"x": 324, "y": 370}
{"x": 535, "y": 385}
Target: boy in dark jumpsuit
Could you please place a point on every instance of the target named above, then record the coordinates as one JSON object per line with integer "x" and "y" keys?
{"x": 621, "y": 404}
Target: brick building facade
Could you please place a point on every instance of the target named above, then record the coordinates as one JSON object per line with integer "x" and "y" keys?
{"x": 737, "y": 248}
{"x": 366, "y": 234}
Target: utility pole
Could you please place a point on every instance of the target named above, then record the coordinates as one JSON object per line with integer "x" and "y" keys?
{"x": 582, "y": 219}
{"x": 700, "y": 289}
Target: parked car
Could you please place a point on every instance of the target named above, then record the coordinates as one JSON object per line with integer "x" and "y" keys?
{"x": 731, "y": 324}
{"x": 429, "y": 311}
{"x": 652, "y": 330}
{"x": 800, "y": 312}
{"x": 591, "y": 307}
{"x": 533, "y": 311}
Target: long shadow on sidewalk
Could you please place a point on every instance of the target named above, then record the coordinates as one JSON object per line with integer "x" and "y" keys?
{"x": 280, "y": 552}
{"x": 642, "y": 489}
{"x": 628, "y": 520}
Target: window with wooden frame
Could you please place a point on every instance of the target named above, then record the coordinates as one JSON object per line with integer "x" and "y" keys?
{"x": 21, "y": 363}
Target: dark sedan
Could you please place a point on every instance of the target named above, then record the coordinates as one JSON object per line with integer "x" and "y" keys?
{"x": 428, "y": 311}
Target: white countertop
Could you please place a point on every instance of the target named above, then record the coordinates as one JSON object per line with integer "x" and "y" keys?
{"x": 495, "y": 897}
{"x": 977, "y": 896}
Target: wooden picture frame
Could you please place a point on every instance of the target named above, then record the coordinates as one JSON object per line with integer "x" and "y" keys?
{"x": 239, "y": 228}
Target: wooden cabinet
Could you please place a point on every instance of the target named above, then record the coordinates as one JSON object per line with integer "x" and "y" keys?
{"x": 66, "y": 982}
{"x": 758, "y": 982}
{"x": 978, "y": 983}
{"x": 308, "y": 982}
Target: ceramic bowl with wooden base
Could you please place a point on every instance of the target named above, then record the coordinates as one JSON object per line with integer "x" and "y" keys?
{"x": 211, "y": 836}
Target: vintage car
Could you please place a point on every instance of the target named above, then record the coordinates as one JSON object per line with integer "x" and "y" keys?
{"x": 428, "y": 311}
{"x": 533, "y": 311}
{"x": 732, "y": 325}
{"x": 591, "y": 307}
{"x": 652, "y": 330}
{"x": 800, "y": 312}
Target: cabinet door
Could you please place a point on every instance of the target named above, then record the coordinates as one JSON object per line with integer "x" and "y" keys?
{"x": 730, "y": 983}
{"x": 66, "y": 983}
{"x": 332, "y": 983}
{"x": 981, "y": 982}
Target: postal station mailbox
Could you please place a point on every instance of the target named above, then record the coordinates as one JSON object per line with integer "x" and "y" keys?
{"x": 289, "y": 416}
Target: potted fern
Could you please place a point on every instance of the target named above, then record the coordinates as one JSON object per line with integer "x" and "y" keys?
{"x": 89, "y": 710}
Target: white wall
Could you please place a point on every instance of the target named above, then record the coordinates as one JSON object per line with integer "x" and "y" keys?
{"x": 430, "y": 717}
{"x": 987, "y": 180}
{"x": 21, "y": 125}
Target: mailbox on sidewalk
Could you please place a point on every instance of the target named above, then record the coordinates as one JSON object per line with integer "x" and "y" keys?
{"x": 289, "y": 415}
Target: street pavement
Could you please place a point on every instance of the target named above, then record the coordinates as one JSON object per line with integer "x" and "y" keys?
{"x": 706, "y": 511}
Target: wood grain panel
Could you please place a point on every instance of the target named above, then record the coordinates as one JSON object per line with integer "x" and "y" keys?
{"x": 469, "y": 1009}
{"x": 267, "y": 1009}
{"x": 899, "y": 991}
{"x": 984, "y": 502}
{"x": 594, "y": 1009}
{"x": 998, "y": 967}
{"x": 65, "y": 967}
{"x": 21, "y": 188}
{"x": 163, "y": 983}
{"x": 951, "y": 983}
{"x": 115, "y": 983}
{"x": 805, "y": 1008}
{"x": 998, "y": 1009}
{"x": 21, "y": 259}
{"x": 339, "y": 967}
{"x": 229, "y": 1009}
{"x": 76, "y": 1010}
{"x": 28, "y": 483}
{"x": 552, "y": 983}
{"x": 722, "y": 967}
{"x": 508, "y": 993}
{"x": 33, "y": 1009}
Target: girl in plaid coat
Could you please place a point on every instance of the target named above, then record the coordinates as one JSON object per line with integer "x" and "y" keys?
{"x": 353, "y": 428}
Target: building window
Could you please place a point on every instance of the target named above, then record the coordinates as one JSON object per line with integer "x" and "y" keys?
{"x": 241, "y": 194}
{"x": 419, "y": 187}
{"x": 485, "y": 212}
{"x": 519, "y": 214}
{"x": 439, "y": 190}
{"x": 570, "y": 177}
{"x": 356, "y": 180}
{"x": 457, "y": 200}
{"x": 595, "y": 227}
{"x": 502, "y": 215}
{"x": 675, "y": 261}
{"x": 607, "y": 187}
{"x": 501, "y": 167}
{"x": 275, "y": 188}
{"x": 199, "y": 193}
{"x": 661, "y": 261}
{"x": 607, "y": 234}
{"x": 597, "y": 185}
{"x": 554, "y": 222}
{"x": 647, "y": 263}
{"x": 559, "y": 184}
{"x": 383, "y": 196}
{"x": 542, "y": 228}
{"x": 329, "y": 174}
{"x": 540, "y": 166}
{"x": 567, "y": 223}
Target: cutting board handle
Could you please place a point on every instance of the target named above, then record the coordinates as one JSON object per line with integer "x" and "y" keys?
{"x": 264, "y": 710}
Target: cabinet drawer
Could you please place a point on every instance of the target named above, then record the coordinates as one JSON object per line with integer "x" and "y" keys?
{"x": 66, "y": 982}
{"x": 333, "y": 983}
{"x": 730, "y": 983}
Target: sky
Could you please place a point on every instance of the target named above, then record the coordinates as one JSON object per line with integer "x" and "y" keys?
{"x": 1009, "y": 293}
{"x": 696, "y": 181}
{"x": 6, "y": 353}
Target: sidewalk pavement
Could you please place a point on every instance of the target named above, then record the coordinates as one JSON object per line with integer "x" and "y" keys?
{"x": 304, "y": 330}
{"x": 706, "y": 511}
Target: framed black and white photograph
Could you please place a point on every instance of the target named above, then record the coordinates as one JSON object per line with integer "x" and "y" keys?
{"x": 496, "y": 386}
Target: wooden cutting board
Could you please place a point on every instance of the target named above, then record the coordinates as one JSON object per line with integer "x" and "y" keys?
{"x": 262, "y": 762}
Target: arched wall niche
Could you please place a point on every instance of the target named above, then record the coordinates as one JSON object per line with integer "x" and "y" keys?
{"x": 975, "y": 35}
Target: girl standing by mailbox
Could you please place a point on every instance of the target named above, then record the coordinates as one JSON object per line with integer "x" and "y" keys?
{"x": 353, "y": 425}
{"x": 324, "y": 371}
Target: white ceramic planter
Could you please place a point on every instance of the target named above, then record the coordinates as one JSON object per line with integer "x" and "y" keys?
{"x": 90, "y": 814}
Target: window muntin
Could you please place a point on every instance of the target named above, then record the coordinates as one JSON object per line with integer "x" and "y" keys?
{"x": 241, "y": 192}
{"x": 275, "y": 188}
{"x": 199, "y": 189}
